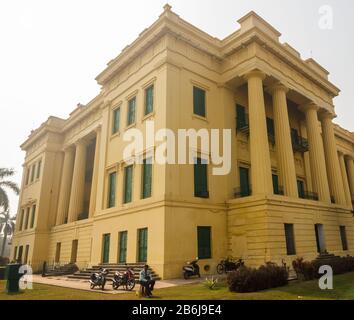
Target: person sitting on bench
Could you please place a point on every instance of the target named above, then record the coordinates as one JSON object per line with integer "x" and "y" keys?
{"x": 146, "y": 281}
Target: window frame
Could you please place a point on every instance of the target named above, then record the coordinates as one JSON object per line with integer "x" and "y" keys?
{"x": 146, "y": 90}
{"x": 203, "y": 194}
{"x": 130, "y": 124}
{"x": 195, "y": 89}
{"x": 115, "y": 125}
{"x": 290, "y": 247}
{"x": 145, "y": 163}
{"x": 109, "y": 190}
{"x": 208, "y": 255}
{"x": 125, "y": 184}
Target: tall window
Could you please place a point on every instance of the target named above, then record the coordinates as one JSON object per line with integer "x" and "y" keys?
{"x": 241, "y": 117}
{"x": 105, "y": 247}
{"x": 128, "y": 181}
{"x": 39, "y": 165}
{"x": 290, "y": 239}
{"x": 21, "y": 219}
{"x": 244, "y": 182}
{"x": 201, "y": 179}
{"x": 33, "y": 172}
{"x": 131, "y": 111}
{"x": 149, "y": 100}
{"x": 199, "y": 102}
{"x": 33, "y": 216}
{"x": 204, "y": 242}
{"x": 15, "y": 254}
{"x": 301, "y": 189}
{"x": 320, "y": 238}
{"x": 147, "y": 178}
{"x": 142, "y": 244}
{"x": 275, "y": 179}
{"x": 112, "y": 190}
{"x": 123, "y": 241}
{"x": 343, "y": 236}
{"x": 25, "y": 259}
{"x": 115, "y": 120}
{"x": 27, "y": 217}
{"x": 28, "y": 174}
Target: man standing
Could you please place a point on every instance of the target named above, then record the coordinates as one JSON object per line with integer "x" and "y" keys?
{"x": 146, "y": 281}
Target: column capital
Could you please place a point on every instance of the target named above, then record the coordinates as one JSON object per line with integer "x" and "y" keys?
{"x": 348, "y": 157}
{"x": 98, "y": 128}
{"x": 278, "y": 86}
{"x": 255, "y": 74}
{"x": 325, "y": 115}
{"x": 81, "y": 142}
{"x": 309, "y": 106}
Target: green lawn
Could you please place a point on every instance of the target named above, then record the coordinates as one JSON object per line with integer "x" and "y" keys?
{"x": 343, "y": 290}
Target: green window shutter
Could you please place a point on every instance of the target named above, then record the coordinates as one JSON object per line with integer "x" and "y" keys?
{"x": 123, "y": 241}
{"x": 301, "y": 189}
{"x": 343, "y": 236}
{"x": 241, "y": 116}
{"x": 147, "y": 179}
{"x": 33, "y": 216}
{"x": 143, "y": 244}
{"x": 290, "y": 239}
{"x": 199, "y": 102}
{"x": 106, "y": 245}
{"x": 112, "y": 190}
{"x": 128, "y": 179}
{"x": 204, "y": 242}
{"x": 116, "y": 121}
{"x": 131, "y": 111}
{"x": 275, "y": 179}
{"x": 244, "y": 182}
{"x": 200, "y": 179}
{"x": 149, "y": 100}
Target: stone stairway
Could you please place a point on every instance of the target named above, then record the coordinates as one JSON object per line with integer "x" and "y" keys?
{"x": 85, "y": 274}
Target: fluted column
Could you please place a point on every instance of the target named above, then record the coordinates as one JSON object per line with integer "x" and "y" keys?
{"x": 261, "y": 173}
{"x": 350, "y": 168}
{"x": 317, "y": 158}
{"x": 65, "y": 186}
{"x": 284, "y": 148}
{"x": 76, "y": 206}
{"x": 332, "y": 162}
{"x": 348, "y": 196}
{"x": 95, "y": 174}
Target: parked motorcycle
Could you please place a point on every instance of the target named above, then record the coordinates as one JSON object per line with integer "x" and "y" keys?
{"x": 125, "y": 279}
{"x": 99, "y": 279}
{"x": 191, "y": 269}
{"x": 229, "y": 265}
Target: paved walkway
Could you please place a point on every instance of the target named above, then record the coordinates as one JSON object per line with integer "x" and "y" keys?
{"x": 65, "y": 282}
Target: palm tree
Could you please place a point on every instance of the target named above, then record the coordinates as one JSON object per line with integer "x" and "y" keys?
{"x": 7, "y": 226}
{"x": 7, "y": 184}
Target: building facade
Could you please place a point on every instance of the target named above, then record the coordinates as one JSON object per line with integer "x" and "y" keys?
{"x": 290, "y": 190}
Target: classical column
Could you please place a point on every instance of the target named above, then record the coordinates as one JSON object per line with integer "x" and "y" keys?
{"x": 348, "y": 196}
{"x": 332, "y": 162}
{"x": 261, "y": 173}
{"x": 65, "y": 186}
{"x": 350, "y": 168}
{"x": 284, "y": 147}
{"x": 317, "y": 158}
{"x": 95, "y": 173}
{"x": 76, "y": 206}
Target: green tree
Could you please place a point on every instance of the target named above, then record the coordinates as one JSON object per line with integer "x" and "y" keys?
{"x": 6, "y": 184}
{"x": 7, "y": 226}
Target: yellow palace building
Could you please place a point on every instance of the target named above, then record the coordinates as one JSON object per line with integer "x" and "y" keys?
{"x": 290, "y": 190}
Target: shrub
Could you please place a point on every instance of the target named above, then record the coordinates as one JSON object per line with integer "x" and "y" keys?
{"x": 4, "y": 261}
{"x": 306, "y": 270}
{"x": 251, "y": 280}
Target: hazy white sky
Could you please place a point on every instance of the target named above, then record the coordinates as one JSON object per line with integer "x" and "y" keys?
{"x": 52, "y": 50}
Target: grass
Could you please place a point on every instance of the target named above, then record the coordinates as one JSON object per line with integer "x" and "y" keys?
{"x": 343, "y": 290}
